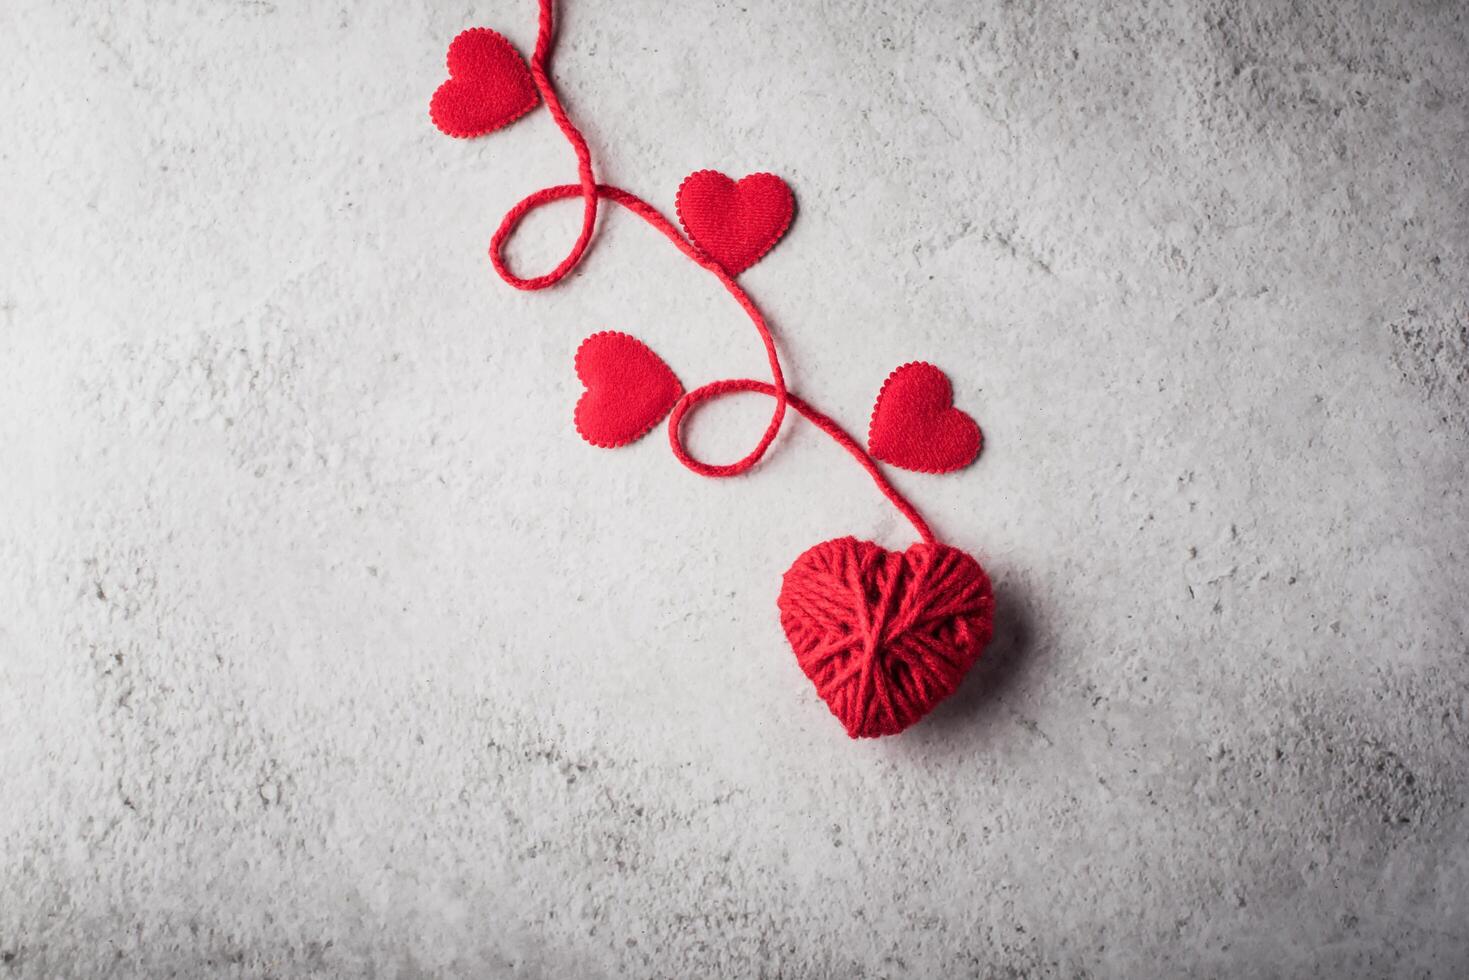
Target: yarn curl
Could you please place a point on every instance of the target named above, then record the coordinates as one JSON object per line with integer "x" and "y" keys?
{"x": 883, "y": 635}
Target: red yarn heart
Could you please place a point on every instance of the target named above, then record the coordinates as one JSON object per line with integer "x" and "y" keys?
{"x": 629, "y": 389}
{"x": 885, "y": 635}
{"x": 489, "y": 86}
{"x": 734, "y": 223}
{"x": 916, "y": 426}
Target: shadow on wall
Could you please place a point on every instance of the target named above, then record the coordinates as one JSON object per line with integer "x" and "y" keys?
{"x": 970, "y": 711}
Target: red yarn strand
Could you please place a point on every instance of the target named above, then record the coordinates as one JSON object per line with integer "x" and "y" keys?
{"x": 822, "y": 421}
{"x": 884, "y": 636}
{"x": 591, "y": 192}
{"x": 587, "y": 179}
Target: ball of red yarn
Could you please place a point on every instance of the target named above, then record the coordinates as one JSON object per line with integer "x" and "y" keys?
{"x": 885, "y": 635}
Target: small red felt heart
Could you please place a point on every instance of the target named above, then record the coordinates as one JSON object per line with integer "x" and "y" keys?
{"x": 885, "y": 635}
{"x": 489, "y": 86}
{"x": 734, "y": 223}
{"x": 629, "y": 389}
{"x": 916, "y": 426}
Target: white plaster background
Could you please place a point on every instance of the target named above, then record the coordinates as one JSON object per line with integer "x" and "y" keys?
{"x": 328, "y": 650}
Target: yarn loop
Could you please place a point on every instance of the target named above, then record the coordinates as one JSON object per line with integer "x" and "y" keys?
{"x": 716, "y": 389}
{"x": 883, "y": 635}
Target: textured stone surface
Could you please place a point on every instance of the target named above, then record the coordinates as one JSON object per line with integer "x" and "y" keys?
{"x": 328, "y": 650}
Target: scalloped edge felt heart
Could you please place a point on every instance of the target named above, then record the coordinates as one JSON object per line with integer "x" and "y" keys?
{"x": 883, "y": 636}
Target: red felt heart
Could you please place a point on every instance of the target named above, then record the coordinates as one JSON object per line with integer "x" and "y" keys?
{"x": 629, "y": 389}
{"x": 489, "y": 86}
{"x": 885, "y": 635}
{"x": 734, "y": 223}
{"x": 916, "y": 426}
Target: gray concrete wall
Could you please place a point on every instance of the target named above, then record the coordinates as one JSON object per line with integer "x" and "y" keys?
{"x": 328, "y": 650}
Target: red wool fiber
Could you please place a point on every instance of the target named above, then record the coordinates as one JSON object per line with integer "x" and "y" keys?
{"x": 883, "y": 635}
